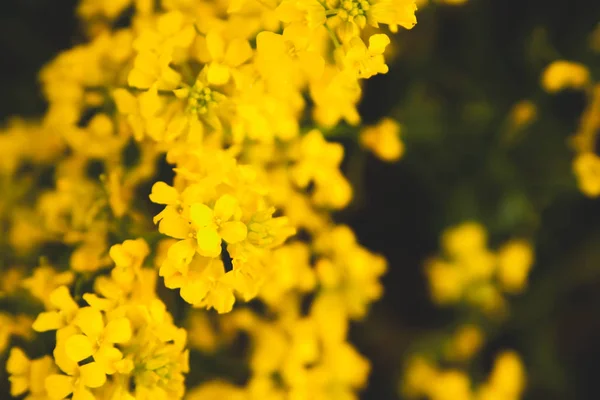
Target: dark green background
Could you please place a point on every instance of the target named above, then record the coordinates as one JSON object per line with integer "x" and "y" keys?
{"x": 460, "y": 71}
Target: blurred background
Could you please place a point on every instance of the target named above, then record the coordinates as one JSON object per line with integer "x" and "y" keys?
{"x": 454, "y": 81}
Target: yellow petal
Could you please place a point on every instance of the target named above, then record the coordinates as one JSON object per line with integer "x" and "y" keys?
{"x": 209, "y": 242}
{"x": 194, "y": 292}
{"x": 378, "y": 43}
{"x": 83, "y": 394}
{"x": 270, "y": 43}
{"x": 140, "y": 79}
{"x": 201, "y": 215}
{"x": 150, "y": 102}
{"x": 221, "y": 299}
{"x": 92, "y": 374}
{"x": 78, "y": 347}
{"x": 18, "y": 385}
{"x": 47, "y": 321}
{"x": 61, "y": 299}
{"x": 164, "y": 194}
{"x": 182, "y": 251}
{"x": 225, "y": 207}
{"x": 172, "y": 223}
{"x": 233, "y": 231}
{"x": 238, "y": 52}
{"x": 107, "y": 357}
{"x": 217, "y": 74}
{"x": 312, "y": 63}
{"x": 17, "y": 363}
{"x": 216, "y": 45}
{"x": 118, "y": 331}
{"x": 125, "y": 101}
{"x": 90, "y": 321}
{"x": 58, "y": 386}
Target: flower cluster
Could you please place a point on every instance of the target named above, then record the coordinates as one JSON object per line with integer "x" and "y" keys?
{"x": 470, "y": 272}
{"x": 561, "y": 75}
{"x": 187, "y": 148}
{"x": 473, "y": 277}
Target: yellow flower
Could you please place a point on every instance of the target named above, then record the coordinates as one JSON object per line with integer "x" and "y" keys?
{"x": 466, "y": 341}
{"x": 366, "y": 62}
{"x": 508, "y": 375}
{"x": 128, "y": 257}
{"x": 515, "y": 259}
{"x": 523, "y": 113}
{"x": 319, "y": 162}
{"x": 451, "y": 385}
{"x": 445, "y": 281}
{"x": 142, "y": 112}
{"x": 284, "y": 59}
{"x": 27, "y": 376}
{"x": 465, "y": 239}
{"x": 419, "y": 374}
{"x": 355, "y": 14}
{"x": 383, "y": 140}
{"x": 335, "y": 95}
{"x": 156, "y": 48}
{"x": 309, "y": 12}
{"x": 222, "y": 56}
{"x": 60, "y": 299}
{"x": 563, "y": 74}
{"x": 214, "y": 225}
{"x": 587, "y": 170}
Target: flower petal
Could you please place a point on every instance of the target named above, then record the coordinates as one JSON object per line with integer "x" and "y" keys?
{"x": 79, "y": 347}
{"x": 209, "y": 242}
{"x": 233, "y": 231}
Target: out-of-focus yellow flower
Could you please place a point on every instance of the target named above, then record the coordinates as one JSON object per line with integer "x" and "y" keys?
{"x": 465, "y": 343}
{"x": 587, "y": 170}
{"x": 563, "y": 74}
{"x": 44, "y": 280}
{"x": 523, "y": 113}
{"x": 367, "y": 62}
{"x": 318, "y": 162}
{"x": 445, "y": 281}
{"x": 28, "y": 376}
{"x": 507, "y": 380}
{"x": 515, "y": 259}
{"x": 464, "y": 239}
{"x": 383, "y": 140}
{"x": 451, "y": 385}
{"x": 419, "y": 374}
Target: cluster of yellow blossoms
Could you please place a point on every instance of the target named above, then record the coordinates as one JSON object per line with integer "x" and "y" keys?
{"x": 473, "y": 277}
{"x": 470, "y": 272}
{"x": 561, "y": 75}
{"x": 185, "y": 146}
{"x": 506, "y": 381}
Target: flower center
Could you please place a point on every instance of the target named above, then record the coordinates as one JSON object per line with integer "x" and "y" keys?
{"x": 200, "y": 99}
{"x": 350, "y": 9}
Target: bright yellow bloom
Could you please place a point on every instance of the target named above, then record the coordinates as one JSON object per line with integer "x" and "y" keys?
{"x": 367, "y": 62}
{"x": 222, "y": 57}
{"x": 214, "y": 225}
{"x": 564, "y": 75}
